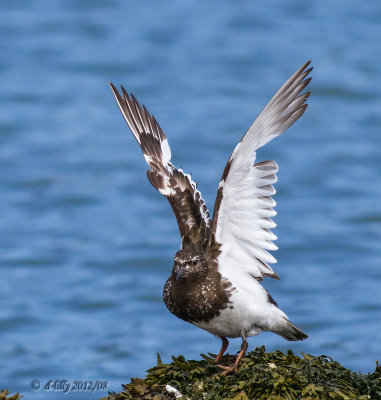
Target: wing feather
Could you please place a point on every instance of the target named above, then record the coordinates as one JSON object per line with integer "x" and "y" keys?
{"x": 179, "y": 188}
{"x": 244, "y": 206}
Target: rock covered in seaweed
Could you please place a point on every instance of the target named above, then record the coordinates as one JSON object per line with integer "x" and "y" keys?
{"x": 272, "y": 376}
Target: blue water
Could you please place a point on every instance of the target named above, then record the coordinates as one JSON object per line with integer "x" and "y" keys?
{"x": 86, "y": 243}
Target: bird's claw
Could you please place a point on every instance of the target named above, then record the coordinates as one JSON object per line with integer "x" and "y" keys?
{"x": 227, "y": 370}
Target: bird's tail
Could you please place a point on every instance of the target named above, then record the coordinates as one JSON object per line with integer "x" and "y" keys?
{"x": 289, "y": 331}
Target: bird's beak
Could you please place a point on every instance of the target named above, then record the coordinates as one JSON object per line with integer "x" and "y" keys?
{"x": 180, "y": 273}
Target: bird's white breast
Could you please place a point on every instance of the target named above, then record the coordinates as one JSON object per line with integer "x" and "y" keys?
{"x": 248, "y": 312}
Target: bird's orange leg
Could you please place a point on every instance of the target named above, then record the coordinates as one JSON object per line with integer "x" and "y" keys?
{"x": 234, "y": 367}
{"x": 225, "y": 344}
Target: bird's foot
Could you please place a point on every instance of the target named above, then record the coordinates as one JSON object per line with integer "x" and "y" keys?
{"x": 234, "y": 368}
{"x": 227, "y": 370}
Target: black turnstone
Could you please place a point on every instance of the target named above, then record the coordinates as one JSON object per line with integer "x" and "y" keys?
{"x": 214, "y": 282}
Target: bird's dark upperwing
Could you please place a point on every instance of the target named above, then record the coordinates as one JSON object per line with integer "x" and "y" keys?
{"x": 241, "y": 218}
{"x": 186, "y": 201}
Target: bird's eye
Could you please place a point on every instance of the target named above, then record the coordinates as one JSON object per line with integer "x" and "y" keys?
{"x": 194, "y": 262}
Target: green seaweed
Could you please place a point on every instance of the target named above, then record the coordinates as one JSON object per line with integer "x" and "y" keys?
{"x": 4, "y": 395}
{"x": 261, "y": 375}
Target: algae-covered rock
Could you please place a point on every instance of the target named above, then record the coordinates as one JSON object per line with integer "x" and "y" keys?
{"x": 261, "y": 375}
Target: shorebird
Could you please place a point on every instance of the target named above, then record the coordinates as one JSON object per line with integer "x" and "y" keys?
{"x": 215, "y": 278}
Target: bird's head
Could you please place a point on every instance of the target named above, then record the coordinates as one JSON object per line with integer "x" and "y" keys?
{"x": 189, "y": 265}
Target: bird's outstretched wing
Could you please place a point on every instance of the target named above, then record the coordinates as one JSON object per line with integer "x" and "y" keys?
{"x": 186, "y": 201}
{"x": 241, "y": 218}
